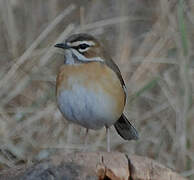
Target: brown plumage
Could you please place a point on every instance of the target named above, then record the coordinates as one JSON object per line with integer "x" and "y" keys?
{"x": 90, "y": 88}
{"x": 103, "y": 78}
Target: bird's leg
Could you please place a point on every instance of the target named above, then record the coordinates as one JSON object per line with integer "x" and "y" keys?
{"x": 69, "y": 137}
{"x": 86, "y": 139}
{"x": 108, "y": 138}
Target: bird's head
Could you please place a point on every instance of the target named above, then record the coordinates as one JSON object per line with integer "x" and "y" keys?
{"x": 81, "y": 48}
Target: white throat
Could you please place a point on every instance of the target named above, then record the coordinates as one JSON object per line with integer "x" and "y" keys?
{"x": 69, "y": 59}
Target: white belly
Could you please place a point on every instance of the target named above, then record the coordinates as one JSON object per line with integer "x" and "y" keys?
{"x": 91, "y": 109}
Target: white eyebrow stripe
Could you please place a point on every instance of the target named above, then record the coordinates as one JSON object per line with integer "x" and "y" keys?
{"x": 80, "y": 57}
{"x": 83, "y": 50}
{"x": 77, "y": 43}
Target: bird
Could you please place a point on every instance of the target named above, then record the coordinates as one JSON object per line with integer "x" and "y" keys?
{"x": 90, "y": 90}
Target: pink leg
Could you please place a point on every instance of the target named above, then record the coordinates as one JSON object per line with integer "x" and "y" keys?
{"x": 108, "y": 139}
{"x": 86, "y": 140}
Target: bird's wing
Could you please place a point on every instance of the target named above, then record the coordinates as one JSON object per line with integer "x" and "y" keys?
{"x": 110, "y": 63}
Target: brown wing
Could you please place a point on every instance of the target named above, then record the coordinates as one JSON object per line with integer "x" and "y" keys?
{"x": 123, "y": 127}
{"x": 110, "y": 63}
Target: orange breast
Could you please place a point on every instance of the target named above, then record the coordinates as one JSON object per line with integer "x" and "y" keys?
{"x": 96, "y": 77}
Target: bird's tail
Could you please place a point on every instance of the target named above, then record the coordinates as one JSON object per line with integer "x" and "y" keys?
{"x": 125, "y": 129}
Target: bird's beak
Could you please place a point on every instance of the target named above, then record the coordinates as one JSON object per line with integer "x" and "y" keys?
{"x": 62, "y": 45}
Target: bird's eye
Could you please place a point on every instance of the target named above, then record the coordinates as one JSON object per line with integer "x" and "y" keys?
{"x": 83, "y": 46}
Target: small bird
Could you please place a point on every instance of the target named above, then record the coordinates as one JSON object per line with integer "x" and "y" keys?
{"x": 90, "y": 89}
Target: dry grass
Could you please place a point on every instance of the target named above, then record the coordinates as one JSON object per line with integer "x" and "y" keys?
{"x": 151, "y": 41}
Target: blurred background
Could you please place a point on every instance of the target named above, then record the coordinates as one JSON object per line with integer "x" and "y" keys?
{"x": 151, "y": 42}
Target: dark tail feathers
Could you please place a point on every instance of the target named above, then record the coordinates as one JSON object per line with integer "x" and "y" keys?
{"x": 125, "y": 129}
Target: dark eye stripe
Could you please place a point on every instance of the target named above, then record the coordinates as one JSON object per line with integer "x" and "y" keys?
{"x": 83, "y": 46}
